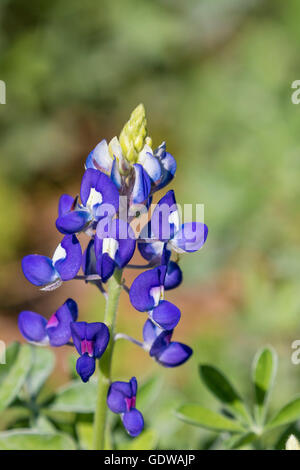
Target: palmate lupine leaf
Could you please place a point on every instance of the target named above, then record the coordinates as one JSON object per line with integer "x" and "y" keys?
{"x": 264, "y": 371}
{"x": 13, "y": 380}
{"x": 34, "y": 440}
{"x": 205, "y": 418}
{"x": 76, "y": 397}
{"x": 288, "y": 414}
{"x": 220, "y": 387}
{"x": 42, "y": 366}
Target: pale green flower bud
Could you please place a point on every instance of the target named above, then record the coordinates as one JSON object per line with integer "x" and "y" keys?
{"x": 133, "y": 134}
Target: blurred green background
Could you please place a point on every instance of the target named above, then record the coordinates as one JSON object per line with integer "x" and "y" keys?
{"x": 215, "y": 78}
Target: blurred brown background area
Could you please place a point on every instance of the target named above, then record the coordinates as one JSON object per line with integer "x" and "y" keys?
{"x": 215, "y": 78}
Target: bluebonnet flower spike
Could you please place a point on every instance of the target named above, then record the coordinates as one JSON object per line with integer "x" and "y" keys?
{"x": 166, "y": 352}
{"x": 90, "y": 340}
{"x": 64, "y": 265}
{"x": 121, "y": 399}
{"x": 56, "y": 331}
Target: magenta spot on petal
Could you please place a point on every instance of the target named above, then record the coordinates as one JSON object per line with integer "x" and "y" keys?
{"x": 130, "y": 403}
{"x": 87, "y": 347}
{"x": 52, "y": 322}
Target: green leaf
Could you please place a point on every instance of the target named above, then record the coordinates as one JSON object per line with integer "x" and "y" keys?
{"x": 199, "y": 416}
{"x": 288, "y": 414}
{"x": 85, "y": 433}
{"x": 12, "y": 415}
{"x": 221, "y": 388}
{"x": 236, "y": 442}
{"x": 44, "y": 425}
{"x": 147, "y": 440}
{"x": 43, "y": 363}
{"x": 76, "y": 397}
{"x": 264, "y": 372}
{"x": 32, "y": 440}
{"x": 15, "y": 378}
{"x": 11, "y": 353}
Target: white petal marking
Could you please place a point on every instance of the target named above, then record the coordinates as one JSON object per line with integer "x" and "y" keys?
{"x": 110, "y": 246}
{"x": 60, "y": 253}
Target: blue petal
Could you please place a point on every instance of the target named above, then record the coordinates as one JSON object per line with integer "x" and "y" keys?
{"x": 85, "y": 367}
{"x": 161, "y": 342}
{"x": 89, "y": 181}
{"x": 89, "y": 260}
{"x": 33, "y": 327}
{"x": 99, "y": 334}
{"x": 151, "y": 251}
{"x": 150, "y": 163}
{"x": 73, "y": 222}
{"x": 142, "y": 185}
{"x": 65, "y": 204}
{"x": 68, "y": 265}
{"x": 150, "y": 332}
{"x": 60, "y": 334}
{"x": 165, "y": 217}
{"x": 39, "y": 270}
{"x": 105, "y": 267}
{"x": 168, "y": 166}
{"x": 191, "y": 237}
{"x": 173, "y": 277}
{"x": 117, "y": 393}
{"x": 134, "y": 386}
{"x": 140, "y": 290}
{"x": 124, "y": 244}
{"x": 102, "y": 184}
{"x": 99, "y": 158}
{"x": 133, "y": 422}
{"x": 174, "y": 355}
{"x": 78, "y": 331}
{"x": 166, "y": 315}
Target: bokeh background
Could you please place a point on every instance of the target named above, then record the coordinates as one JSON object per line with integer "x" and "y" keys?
{"x": 215, "y": 78}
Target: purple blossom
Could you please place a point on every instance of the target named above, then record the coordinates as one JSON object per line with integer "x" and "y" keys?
{"x": 56, "y": 331}
{"x": 121, "y": 399}
{"x": 166, "y": 352}
{"x": 63, "y": 266}
{"x": 90, "y": 340}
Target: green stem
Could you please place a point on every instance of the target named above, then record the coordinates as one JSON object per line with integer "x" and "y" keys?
{"x": 105, "y": 363}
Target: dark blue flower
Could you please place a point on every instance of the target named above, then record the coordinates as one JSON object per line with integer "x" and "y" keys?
{"x": 90, "y": 340}
{"x": 166, "y": 227}
{"x": 97, "y": 192}
{"x": 121, "y": 399}
{"x": 114, "y": 246}
{"x": 168, "y": 166}
{"x": 147, "y": 295}
{"x": 166, "y": 352}
{"x": 64, "y": 265}
{"x": 141, "y": 186}
{"x": 56, "y": 331}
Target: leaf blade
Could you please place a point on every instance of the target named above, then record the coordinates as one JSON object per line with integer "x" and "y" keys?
{"x": 263, "y": 375}
{"x": 205, "y": 418}
{"x": 33, "y": 440}
{"x": 288, "y": 414}
{"x": 75, "y": 397}
{"x": 14, "y": 380}
{"x": 222, "y": 389}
